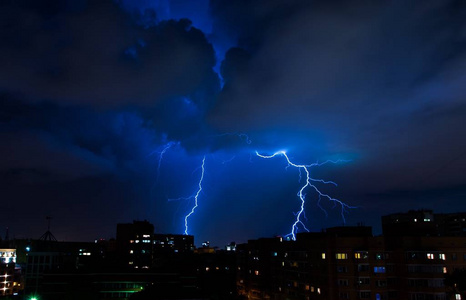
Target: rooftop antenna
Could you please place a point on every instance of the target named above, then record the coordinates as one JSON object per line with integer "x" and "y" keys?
{"x": 48, "y": 236}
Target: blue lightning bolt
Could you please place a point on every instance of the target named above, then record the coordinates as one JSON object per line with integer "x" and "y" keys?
{"x": 195, "y": 196}
{"x": 308, "y": 184}
{"x": 228, "y": 160}
{"x": 161, "y": 153}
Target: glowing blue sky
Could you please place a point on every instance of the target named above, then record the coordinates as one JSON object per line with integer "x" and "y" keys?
{"x": 91, "y": 92}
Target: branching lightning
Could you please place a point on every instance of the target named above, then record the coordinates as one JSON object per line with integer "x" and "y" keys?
{"x": 195, "y": 197}
{"x": 309, "y": 184}
{"x": 229, "y": 160}
{"x": 165, "y": 148}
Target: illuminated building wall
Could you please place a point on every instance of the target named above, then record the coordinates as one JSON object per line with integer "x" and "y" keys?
{"x": 7, "y": 256}
{"x": 10, "y": 275}
{"x": 349, "y": 263}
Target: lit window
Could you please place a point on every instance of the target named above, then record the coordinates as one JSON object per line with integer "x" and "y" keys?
{"x": 441, "y": 256}
{"x": 256, "y": 272}
{"x": 306, "y": 287}
{"x": 445, "y": 271}
{"x": 430, "y": 256}
{"x": 380, "y": 256}
{"x": 341, "y": 256}
{"x": 361, "y": 255}
{"x": 457, "y": 296}
{"x": 146, "y": 235}
{"x": 426, "y": 220}
{"x": 130, "y": 263}
{"x": 364, "y": 280}
{"x": 379, "y": 269}
{"x": 207, "y": 268}
{"x": 323, "y": 255}
{"x": 136, "y": 241}
{"x": 312, "y": 289}
{"x": 415, "y": 220}
{"x": 318, "y": 291}
{"x": 131, "y": 251}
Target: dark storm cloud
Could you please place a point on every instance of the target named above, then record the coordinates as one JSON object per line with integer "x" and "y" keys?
{"x": 150, "y": 84}
{"x": 66, "y": 143}
{"x": 95, "y": 53}
{"x": 381, "y": 81}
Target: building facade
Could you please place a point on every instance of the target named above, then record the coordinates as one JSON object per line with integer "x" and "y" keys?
{"x": 351, "y": 263}
{"x": 10, "y": 274}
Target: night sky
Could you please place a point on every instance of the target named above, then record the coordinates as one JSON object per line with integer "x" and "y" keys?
{"x": 92, "y": 92}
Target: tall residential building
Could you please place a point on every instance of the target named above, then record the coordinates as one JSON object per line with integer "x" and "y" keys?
{"x": 351, "y": 263}
{"x": 10, "y": 275}
{"x": 424, "y": 223}
{"x": 139, "y": 247}
{"x": 135, "y": 244}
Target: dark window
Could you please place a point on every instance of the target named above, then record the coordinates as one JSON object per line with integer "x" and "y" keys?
{"x": 364, "y": 294}
{"x": 342, "y": 269}
{"x": 363, "y": 267}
